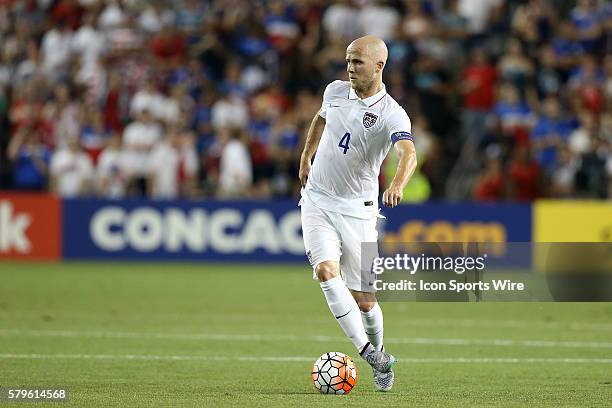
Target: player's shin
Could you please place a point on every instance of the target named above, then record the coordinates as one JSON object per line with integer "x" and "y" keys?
{"x": 373, "y": 325}
{"x": 344, "y": 308}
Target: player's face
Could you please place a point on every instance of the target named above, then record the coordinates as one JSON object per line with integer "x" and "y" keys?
{"x": 361, "y": 69}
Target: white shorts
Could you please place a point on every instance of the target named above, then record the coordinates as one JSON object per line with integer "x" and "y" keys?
{"x": 331, "y": 236}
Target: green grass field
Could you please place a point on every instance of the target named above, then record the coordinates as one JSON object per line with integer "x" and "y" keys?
{"x": 132, "y": 334}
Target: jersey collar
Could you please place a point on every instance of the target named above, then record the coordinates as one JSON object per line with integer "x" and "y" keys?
{"x": 371, "y": 100}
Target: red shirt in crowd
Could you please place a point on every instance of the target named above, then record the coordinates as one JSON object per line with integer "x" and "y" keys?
{"x": 169, "y": 46}
{"x": 69, "y": 12}
{"x": 490, "y": 186}
{"x": 524, "y": 176}
{"x": 482, "y": 95}
{"x": 490, "y": 189}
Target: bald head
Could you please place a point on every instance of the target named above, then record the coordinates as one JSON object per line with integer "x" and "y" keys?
{"x": 366, "y": 58}
{"x": 370, "y": 46}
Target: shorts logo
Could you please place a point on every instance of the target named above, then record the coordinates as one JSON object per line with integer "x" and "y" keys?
{"x": 309, "y": 255}
{"x": 369, "y": 119}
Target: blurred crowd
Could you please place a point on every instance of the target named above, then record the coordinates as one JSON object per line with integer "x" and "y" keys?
{"x": 213, "y": 98}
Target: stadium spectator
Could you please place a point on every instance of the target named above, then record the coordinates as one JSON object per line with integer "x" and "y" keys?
{"x": 30, "y": 160}
{"x": 587, "y": 21}
{"x": 549, "y": 81}
{"x": 551, "y": 132}
{"x": 283, "y": 148}
{"x": 154, "y": 16}
{"x": 523, "y": 175}
{"x": 71, "y": 170}
{"x": 515, "y": 67}
{"x": 147, "y": 97}
{"x": 88, "y": 41}
{"x": 114, "y": 115}
{"x": 91, "y": 78}
{"x": 564, "y": 175}
{"x": 478, "y": 88}
{"x": 188, "y": 16}
{"x": 30, "y": 67}
{"x": 201, "y": 121}
{"x": 235, "y": 169}
{"x": 592, "y": 180}
{"x": 434, "y": 87}
{"x": 65, "y": 111}
{"x": 56, "y": 48}
{"x": 567, "y": 49}
{"x": 68, "y": 11}
{"x": 330, "y": 61}
{"x": 339, "y": 21}
{"x": 230, "y": 111}
{"x": 533, "y": 21}
{"x": 454, "y": 29}
{"x": 172, "y": 166}
{"x": 112, "y": 16}
{"x": 121, "y": 37}
{"x": 490, "y": 185}
{"x": 281, "y": 25}
{"x": 379, "y": 19}
{"x": 111, "y": 171}
{"x": 579, "y": 141}
{"x": 169, "y": 46}
{"x": 139, "y": 137}
{"x": 24, "y": 109}
{"x": 417, "y": 25}
{"x": 515, "y": 115}
{"x": 586, "y": 84}
{"x": 479, "y": 13}
{"x": 94, "y": 135}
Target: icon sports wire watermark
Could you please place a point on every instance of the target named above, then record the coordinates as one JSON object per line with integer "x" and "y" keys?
{"x": 514, "y": 271}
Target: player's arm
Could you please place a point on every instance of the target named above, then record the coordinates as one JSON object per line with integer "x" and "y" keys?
{"x": 405, "y": 169}
{"x": 310, "y": 147}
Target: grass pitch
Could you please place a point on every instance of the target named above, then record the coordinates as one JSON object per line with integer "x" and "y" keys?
{"x": 131, "y": 334}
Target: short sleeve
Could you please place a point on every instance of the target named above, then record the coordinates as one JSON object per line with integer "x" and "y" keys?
{"x": 398, "y": 126}
{"x": 327, "y": 95}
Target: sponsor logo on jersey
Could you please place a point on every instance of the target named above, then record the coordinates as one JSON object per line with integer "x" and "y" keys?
{"x": 369, "y": 120}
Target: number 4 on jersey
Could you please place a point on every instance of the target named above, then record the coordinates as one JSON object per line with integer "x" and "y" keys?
{"x": 344, "y": 142}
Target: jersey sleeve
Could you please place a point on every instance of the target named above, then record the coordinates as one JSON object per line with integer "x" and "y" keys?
{"x": 327, "y": 95}
{"x": 399, "y": 126}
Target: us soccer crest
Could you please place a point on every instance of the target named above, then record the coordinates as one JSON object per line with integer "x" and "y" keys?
{"x": 369, "y": 120}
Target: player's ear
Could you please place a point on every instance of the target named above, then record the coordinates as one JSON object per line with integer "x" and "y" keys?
{"x": 379, "y": 66}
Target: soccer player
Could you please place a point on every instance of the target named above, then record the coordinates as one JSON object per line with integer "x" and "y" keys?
{"x": 351, "y": 134}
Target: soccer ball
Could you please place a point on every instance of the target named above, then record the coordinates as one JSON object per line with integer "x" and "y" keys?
{"x": 334, "y": 373}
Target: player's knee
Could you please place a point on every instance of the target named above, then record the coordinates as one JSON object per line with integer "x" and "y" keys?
{"x": 366, "y": 305}
{"x": 326, "y": 271}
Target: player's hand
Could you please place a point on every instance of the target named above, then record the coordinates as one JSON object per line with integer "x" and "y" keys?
{"x": 303, "y": 174}
{"x": 392, "y": 196}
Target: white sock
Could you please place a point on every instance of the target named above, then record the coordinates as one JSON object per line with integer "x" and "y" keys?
{"x": 373, "y": 325}
{"x": 344, "y": 308}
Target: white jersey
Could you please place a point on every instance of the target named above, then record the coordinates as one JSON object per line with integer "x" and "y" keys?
{"x": 357, "y": 137}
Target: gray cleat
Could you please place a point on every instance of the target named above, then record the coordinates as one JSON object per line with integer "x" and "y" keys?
{"x": 383, "y": 381}
{"x": 379, "y": 360}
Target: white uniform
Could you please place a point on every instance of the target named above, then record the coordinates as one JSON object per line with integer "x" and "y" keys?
{"x": 340, "y": 200}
